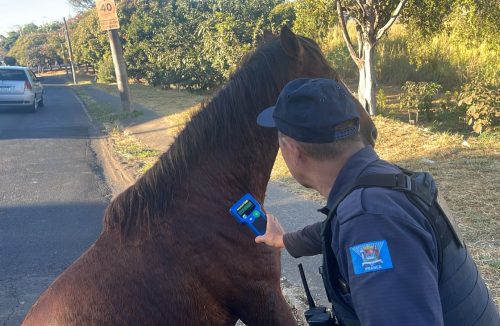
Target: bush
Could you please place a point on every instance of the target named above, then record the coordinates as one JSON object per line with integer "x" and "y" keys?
{"x": 450, "y": 115}
{"x": 483, "y": 105}
{"x": 381, "y": 100}
{"x": 419, "y": 96}
{"x": 106, "y": 69}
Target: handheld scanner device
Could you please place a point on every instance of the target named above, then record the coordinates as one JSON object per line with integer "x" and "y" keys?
{"x": 248, "y": 211}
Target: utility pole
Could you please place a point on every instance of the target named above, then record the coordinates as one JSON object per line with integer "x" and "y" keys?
{"x": 70, "y": 50}
{"x": 108, "y": 20}
{"x": 120, "y": 69}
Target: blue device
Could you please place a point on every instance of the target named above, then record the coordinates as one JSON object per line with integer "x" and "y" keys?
{"x": 247, "y": 211}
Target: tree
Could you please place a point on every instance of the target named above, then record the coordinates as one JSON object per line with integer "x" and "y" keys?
{"x": 28, "y": 29}
{"x": 7, "y": 42}
{"x": 88, "y": 42}
{"x": 282, "y": 14}
{"x": 53, "y": 50}
{"x": 231, "y": 28}
{"x": 372, "y": 19}
{"x": 427, "y": 16}
{"x": 82, "y": 5}
{"x": 27, "y": 49}
{"x": 314, "y": 18}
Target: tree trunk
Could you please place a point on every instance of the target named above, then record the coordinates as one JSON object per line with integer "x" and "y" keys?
{"x": 367, "y": 89}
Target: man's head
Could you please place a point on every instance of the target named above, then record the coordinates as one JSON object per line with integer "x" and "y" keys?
{"x": 318, "y": 123}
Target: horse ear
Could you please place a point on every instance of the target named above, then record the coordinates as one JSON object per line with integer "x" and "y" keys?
{"x": 268, "y": 36}
{"x": 289, "y": 42}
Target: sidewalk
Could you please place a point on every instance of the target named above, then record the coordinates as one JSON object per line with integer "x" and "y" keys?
{"x": 149, "y": 127}
{"x": 293, "y": 211}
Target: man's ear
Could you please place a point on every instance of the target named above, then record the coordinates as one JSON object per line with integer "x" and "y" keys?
{"x": 292, "y": 147}
{"x": 289, "y": 42}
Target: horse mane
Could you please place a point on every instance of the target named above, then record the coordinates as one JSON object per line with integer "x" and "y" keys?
{"x": 230, "y": 115}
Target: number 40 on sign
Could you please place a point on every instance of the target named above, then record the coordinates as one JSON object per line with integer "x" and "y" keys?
{"x": 106, "y": 10}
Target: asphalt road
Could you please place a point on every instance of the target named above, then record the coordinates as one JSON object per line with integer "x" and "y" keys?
{"x": 294, "y": 213}
{"x": 52, "y": 197}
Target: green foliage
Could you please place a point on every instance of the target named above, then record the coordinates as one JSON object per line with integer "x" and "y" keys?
{"x": 314, "y": 18}
{"x": 419, "y": 96}
{"x": 460, "y": 43}
{"x": 426, "y": 16}
{"x": 28, "y": 29}
{"x": 27, "y": 49}
{"x": 483, "y": 105}
{"x": 223, "y": 45}
{"x": 191, "y": 44}
{"x": 106, "y": 69}
{"x": 392, "y": 64}
{"x": 402, "y": 56}
{"x": 7, "y": 42}
{"x": 282, "y": 14}
{"x": 381, "y": 100}
{"x": 82, "y": 4}
{"x": 449, "y": 114}
{"x": 163, "y": 47}
{"x": 337, "y": 54}
{"x": 474, "y": 20}
{"x": 35, "y": 45}
{"x": 88, "y": 42}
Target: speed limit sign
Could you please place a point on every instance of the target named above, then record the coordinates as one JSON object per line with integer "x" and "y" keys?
{"x": 108, "y": 19}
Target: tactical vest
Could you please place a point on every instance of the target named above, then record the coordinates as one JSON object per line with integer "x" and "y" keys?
{"x": 465, "y": 299}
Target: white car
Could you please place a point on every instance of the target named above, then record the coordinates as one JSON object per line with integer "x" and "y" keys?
{"x": 20, "y": 88}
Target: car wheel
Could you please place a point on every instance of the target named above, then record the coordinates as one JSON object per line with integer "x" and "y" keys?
{"x": 33, "y": 108}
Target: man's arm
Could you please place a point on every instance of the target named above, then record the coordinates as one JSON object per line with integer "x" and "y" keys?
{"x": 391, "y": 267}
{"x": 305, "y": 242}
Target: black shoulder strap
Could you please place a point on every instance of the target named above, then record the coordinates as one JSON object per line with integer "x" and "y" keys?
{"x": 422, "y": 194}
{"x": 396, "y": 181}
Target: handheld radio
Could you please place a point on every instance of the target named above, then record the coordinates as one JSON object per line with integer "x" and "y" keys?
{"x": 247, "y": 211}
{"x": 315, "y": 316}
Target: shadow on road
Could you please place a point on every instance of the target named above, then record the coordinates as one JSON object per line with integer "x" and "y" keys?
{"x": 37, "y": 242}
{"x": 68, "y": 132}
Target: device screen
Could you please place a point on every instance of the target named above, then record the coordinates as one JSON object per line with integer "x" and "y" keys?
{"x": 246, "y": 208}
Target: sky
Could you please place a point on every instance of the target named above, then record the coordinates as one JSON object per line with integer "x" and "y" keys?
{"x": 20, "y": 12}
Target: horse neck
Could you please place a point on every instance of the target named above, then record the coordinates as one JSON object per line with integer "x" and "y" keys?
{"x": 220, "y": 155}
{"x": 238, "y": 156}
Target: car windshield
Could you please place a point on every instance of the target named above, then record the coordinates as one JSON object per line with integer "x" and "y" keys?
{"x": 11, "y": 74}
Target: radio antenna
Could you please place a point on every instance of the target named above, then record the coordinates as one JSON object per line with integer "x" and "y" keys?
{"x": 306, "y": 287}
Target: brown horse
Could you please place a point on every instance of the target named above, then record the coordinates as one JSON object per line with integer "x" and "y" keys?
{"x": 170, "y": 253}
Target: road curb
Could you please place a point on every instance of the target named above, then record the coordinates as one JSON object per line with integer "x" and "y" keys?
{"x": 117, "y": 178}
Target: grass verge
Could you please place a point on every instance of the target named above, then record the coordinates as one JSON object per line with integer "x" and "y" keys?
{"x": 163, "y": 102}
{"x": 132, "y": 153}
{"x": 137, "y": 157}
{"x": 102, "y": 113}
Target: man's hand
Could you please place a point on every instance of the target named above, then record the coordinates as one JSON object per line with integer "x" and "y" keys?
{"x": 274, "y": 233}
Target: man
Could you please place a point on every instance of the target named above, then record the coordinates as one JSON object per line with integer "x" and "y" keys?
{"x": 383, "y": 264}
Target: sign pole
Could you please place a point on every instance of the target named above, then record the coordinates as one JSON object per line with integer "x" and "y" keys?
{"x": 120, "y": 69}
{"x": 108, "y": 19}
{"x": 70, "y": 51}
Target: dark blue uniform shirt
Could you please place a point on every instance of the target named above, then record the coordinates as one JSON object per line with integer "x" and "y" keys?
{"x": 386, "y": 250}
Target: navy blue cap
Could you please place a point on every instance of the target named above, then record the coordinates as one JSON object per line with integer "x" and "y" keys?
{"x": 308, "y": 110}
